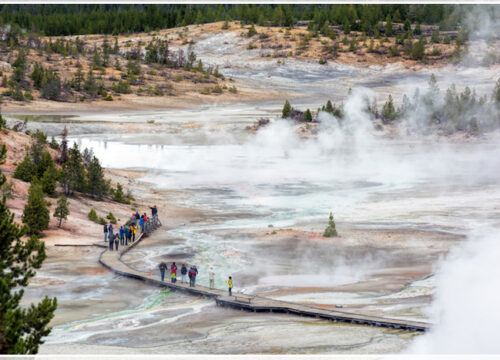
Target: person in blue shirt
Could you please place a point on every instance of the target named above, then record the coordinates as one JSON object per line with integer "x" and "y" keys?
{"x": 122, "y": 235}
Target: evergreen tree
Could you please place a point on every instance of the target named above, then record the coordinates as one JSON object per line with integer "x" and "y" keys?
{"x": 417, "y": 30}
{"x": 64, "y": 146}
{"x": 36, "y": 214}
{"x": 79, "y": 78}
{"x": 330, "y": 230}
{"x": 418, "y": 50}
{"x": 96, "y": 184}
{"x": 25, "y": 170}
{"x": 388, "y": 111}
{"x": 308, "y": 116}
{"x": 49, "y": 180}
{"x": 46, "y": 162}
{"x": 62, "y": 211}
{"x": 73, "y": 172}
{"x": 21, "y": 330}
{"x": 329, "y": 107}
{"x": 119, "y": 196}
{"x": 287, "y": 110}
{"x": 388, "y": 26}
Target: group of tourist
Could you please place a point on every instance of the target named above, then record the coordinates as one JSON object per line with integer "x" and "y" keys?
{"x": 192, "y": 273}
{"x": 127, "y": 232}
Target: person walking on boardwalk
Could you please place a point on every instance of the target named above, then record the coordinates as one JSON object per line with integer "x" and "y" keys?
{"x": 141, "y": 224}
{"x": 117, "y": 239}
{"x": 183, "y": 273}
{"x": 122, "y": 235}
{"x": 195, "y": 273}
{"x": 191, "y": 276}
{"x": 105, "y": 232}
{"x": 163, "y": 268}
{"x": 111, "y": 242}
{"x": 173, "y": 268}
{"x": 211, "y": 277}
{"x": 127, "y": 234}
{"x": 230, "y": 285}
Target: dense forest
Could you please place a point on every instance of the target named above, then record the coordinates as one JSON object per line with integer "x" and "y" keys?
{"x": 55, "y": 20}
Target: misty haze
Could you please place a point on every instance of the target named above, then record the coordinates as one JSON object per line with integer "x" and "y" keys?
{"x": 339, "y": 162}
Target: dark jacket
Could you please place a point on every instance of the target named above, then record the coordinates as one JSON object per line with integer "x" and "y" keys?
{"x": 184, "y": 270}
{"x": 163, "y": 267}
{"x": 105, "y": 228}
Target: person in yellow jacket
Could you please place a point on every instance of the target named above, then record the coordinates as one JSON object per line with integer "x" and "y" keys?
{"x": 134, "y": 231}
{"x": 230, "y": 285}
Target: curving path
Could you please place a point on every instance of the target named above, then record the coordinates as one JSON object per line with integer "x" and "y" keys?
{"x": 112, "y": 261}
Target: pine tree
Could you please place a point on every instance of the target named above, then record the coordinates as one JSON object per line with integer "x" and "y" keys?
{"x": 330, "y": 230}
{"x": 119, "y": 196}
{"x": 79, "y": 78}
{"x": 64, "y": 146}
{"x": 45, "y": 163}
{"x": 62, "y": 211}
{"x": 21, "y": 330}
{"x": 25, "y": 170}
{"x": 388, "y": 26}
{"x": 72, "y": 176}
{"x": 96, "y": 184}
{"x": 36, "y": 215}
{"x": 388, "y": 111}
{"x": 287, "y": 110}
{"x": 329, "y": 107}
{"x": 49, "y": 181}
{"x": 308, "y": 116}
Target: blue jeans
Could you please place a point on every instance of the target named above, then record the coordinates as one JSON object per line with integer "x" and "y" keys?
{"x": 162, "y": 275}
{"x": 105, "y": 236}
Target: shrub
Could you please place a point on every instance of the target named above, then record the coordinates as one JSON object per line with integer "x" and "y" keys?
{"x": 92, "y": 215}
{"x": 111, "y": 218}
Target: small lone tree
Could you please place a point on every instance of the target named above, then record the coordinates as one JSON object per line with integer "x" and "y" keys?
{"x": 330, "y": 230}
{"x": 287, "y": 110}
{"x": 62, "y": 210}
{"x": 308, "y": 116}
{"x": 36, "y": 215}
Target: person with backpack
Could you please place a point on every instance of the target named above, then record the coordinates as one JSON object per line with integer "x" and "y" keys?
{"x": 211, "y": 277}
{"x": 122, "y": 235}
{"x": 195, "y": 273}
{"x": 105, "y": 232}
{"x": 230, "y": 285}
{"x": 163, "y": 268}
{"x": 183, "y": 273}
{"x": 190, "y": 275}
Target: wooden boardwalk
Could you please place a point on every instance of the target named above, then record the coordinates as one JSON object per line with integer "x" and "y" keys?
{"x": 112, "y": 261}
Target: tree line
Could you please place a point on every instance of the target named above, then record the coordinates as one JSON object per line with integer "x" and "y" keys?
{"x": 79, "y": 19}
{"x": 74, "y": 171}
{"x": 450, "y": 112}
